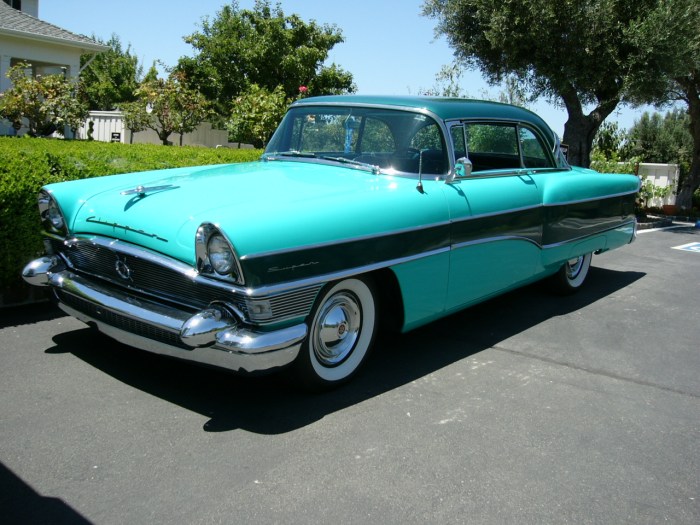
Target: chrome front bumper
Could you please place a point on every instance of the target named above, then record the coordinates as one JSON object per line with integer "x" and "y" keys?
{"x": 212, "y": 336}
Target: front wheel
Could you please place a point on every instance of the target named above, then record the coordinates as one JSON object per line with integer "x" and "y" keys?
{"x": 342, "y": 329}
{"x": 572, "y": 274}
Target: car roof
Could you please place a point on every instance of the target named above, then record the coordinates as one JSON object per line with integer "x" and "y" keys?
{"x": 444, "y": 108}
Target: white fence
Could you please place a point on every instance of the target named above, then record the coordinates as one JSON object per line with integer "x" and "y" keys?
{"x": 108, "y": 126}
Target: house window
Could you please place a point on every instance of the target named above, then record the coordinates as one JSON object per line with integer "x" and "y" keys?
{"x": 17, "y": 4}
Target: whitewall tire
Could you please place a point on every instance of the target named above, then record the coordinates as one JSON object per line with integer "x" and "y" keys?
{"x": 342, "y": 328}
{"x": 572, "y": 274}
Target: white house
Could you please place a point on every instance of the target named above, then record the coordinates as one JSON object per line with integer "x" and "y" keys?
{"x": 48, "y": 48}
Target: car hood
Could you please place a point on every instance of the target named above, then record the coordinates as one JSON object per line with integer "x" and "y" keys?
{"x": 260, "y": 206}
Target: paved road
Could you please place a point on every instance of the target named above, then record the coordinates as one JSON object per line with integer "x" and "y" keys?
{"x": 527, "y": 409}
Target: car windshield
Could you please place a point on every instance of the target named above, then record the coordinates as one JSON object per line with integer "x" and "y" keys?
{"x": 376, "y": 139}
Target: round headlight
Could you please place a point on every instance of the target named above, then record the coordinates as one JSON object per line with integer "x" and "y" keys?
{"x": 51, "y": 215}
{"x": 54, "y": 216}
{"x": 220, "y": 255}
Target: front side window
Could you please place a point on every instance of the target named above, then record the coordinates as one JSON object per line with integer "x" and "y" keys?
{"x": 390, "y": 141}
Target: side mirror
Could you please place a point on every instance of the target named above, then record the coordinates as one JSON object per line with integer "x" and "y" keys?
{"x": 463, "y": 167}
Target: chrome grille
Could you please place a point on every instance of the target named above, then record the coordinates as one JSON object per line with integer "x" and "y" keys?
{"x": 289, "y": 304}
{"x": 145, "y": 275}
{"x": 161, "y": 278}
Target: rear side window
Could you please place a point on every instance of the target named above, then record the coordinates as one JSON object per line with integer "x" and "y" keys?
{"x": 499, "y": 146}
{"x": 534, "y": 155}
{"x": 493, "y": 146}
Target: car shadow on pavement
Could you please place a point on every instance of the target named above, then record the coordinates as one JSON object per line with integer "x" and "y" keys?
{"x": 20, "y": 503}
{"x": 271, "y": 404}
{"x": 29, "y": 313}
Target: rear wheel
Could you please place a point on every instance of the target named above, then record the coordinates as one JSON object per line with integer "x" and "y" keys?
{"x": 572, "y": 274}
{"x": 342, "y": 328}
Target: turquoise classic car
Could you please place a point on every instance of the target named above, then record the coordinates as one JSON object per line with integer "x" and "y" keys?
{"x": 362, "y": 209}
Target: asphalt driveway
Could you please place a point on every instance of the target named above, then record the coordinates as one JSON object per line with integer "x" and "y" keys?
{"x": 526, "y": 409}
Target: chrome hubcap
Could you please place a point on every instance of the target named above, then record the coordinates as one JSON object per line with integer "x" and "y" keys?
{"x": 337, "y": 329}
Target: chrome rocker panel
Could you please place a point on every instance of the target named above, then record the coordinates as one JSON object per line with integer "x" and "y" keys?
{"x": 212, "y": 336}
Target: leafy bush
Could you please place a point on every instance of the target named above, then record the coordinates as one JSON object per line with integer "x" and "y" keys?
{"x": 28, "y": 164}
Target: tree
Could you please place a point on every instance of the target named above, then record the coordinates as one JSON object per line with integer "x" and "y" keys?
{"x": 136, "y": 117}
{"x": 661, "y": 138}
{"x": 256, "y": 114}
{"x": 609, "y": 140}
{"x": 111, "y": 77}
{"x": 667, "y": 43}
{"x": 576, "y": 52}
{"x": 166, "y": 106}
{"x": 265, "y": 47}
{"x": 48, "y": 103}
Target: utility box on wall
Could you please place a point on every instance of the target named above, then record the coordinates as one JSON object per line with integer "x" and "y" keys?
{"x": 662, "y": 176}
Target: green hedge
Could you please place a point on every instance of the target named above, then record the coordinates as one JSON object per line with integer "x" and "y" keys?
{"x": 27, "y": 164}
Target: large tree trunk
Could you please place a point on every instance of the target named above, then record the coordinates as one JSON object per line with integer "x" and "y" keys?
{"x": 691, "y": 182}
{"x": 580, "y": 129}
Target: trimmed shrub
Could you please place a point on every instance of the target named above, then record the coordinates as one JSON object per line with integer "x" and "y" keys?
{"x": 28, "y": 164}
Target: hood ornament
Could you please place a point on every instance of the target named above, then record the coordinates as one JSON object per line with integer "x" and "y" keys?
{"x": 141, "y": 191}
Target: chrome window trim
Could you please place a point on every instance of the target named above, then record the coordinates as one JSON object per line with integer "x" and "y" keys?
{"x": 506, "y": 172}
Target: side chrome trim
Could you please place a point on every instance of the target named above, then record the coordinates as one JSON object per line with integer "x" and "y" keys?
{"x": 328, "y": 277}
{"x": 495, "y": 213}
{"x": 390, "y": 233}
{"x": 494, "y": 239}
{"x": 591, "y": 199}
{"x": 627, "y": 224}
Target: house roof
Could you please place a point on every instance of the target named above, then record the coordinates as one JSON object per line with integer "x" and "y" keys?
{"x": 18, "y": 24}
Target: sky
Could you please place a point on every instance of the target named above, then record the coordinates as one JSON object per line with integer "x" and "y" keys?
{"x": 389, "y": 48}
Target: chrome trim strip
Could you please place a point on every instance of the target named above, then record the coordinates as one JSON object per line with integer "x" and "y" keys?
{"x": 494, "y": 239}
{"x": 344, "y": 241}
{"x": 322, "y": 279}
{"x": 563, "y": 243}
{"x": 567, "y": 203}
{"x": 495, "y": 213}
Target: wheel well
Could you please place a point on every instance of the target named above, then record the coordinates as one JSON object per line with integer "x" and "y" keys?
{"x": 390, "y": 300}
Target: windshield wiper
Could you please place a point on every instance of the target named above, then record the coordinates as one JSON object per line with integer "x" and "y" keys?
{"x": 291, "y": 153}
{"x": 295, "y": 153}
{"x": 373, "y": 167}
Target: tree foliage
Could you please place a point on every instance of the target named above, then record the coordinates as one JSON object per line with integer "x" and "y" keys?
{"x": 166, "y": 106}
{"x": 240, "y": 48}
{"x": 661, "y": 138}
{"x": 667, "y": 41}
{"x": 576, "y": 52}
{"x": 45, "y": 103}
{"x": 256, "y": 114}
{"x": 109, "y": 78}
